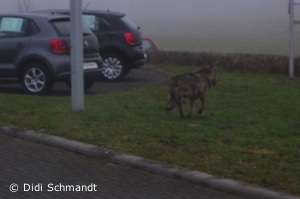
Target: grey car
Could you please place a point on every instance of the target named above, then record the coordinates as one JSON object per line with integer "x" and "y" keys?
{"x": 35, "y": 51}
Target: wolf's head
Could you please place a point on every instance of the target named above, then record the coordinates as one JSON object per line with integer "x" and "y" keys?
{"x": 210, "y": 72}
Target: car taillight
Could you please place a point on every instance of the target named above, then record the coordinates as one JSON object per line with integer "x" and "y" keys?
{"x": 131, "y": 38}
{"x": 59, "y": 46}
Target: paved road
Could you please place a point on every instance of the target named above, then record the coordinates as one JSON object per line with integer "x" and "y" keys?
{"x": 43, "y": 172}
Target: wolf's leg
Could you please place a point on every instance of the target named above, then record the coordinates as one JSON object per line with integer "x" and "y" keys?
{"x": 192, "y": 106}
{"x": 181, "y": 114}
{"x": 202, "y": 97}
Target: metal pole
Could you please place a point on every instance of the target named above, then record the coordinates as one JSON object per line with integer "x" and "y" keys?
{"x": 77, "y": 89}
{"x": 291, "y": 52}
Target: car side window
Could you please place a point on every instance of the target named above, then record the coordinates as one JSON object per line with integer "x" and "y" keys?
{"x": 96, "y": 23}
{"x": 13, "y": 27}
{"x": 32, "y": 28}
{"x": 92, "y": 22}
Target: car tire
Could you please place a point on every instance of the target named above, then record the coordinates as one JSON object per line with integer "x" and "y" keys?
{"x": 36, "y": 79}
{"x": 114, "y": 67}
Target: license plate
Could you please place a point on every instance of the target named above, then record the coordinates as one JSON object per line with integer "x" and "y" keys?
{"x": 90, "y": 65}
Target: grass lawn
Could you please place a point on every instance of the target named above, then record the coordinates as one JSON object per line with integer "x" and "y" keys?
{"x": 250, "y": 130}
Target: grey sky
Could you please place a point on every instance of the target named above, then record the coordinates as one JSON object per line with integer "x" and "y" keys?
{"x": 224, "y": 13}
{"x": 193, "y": 18}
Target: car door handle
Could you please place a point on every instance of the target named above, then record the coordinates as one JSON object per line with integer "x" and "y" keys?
{"x": 20, "y": 45}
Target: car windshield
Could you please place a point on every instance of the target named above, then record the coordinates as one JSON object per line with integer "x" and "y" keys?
{"x": 64, "y": 28}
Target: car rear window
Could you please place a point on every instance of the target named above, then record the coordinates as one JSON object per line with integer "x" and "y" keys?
{"x": 63, "y": 28}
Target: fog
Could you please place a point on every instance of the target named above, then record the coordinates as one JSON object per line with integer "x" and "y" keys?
{"x": 250, "y": 26}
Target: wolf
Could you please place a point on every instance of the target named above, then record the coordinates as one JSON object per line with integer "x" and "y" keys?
{"x": 189, "y": 87}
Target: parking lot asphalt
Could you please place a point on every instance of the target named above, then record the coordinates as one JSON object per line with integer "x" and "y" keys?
{"x": 135, "y": 79}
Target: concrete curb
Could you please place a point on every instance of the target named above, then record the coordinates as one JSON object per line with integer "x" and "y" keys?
{"x": 226, "y": 185}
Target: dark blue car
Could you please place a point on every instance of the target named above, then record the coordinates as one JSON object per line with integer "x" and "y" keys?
{"x": 120, "y": 41}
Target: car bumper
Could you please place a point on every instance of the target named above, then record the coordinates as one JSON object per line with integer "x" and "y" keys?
{"x": 64, "y": 70}
{"x": 139, "y": 60}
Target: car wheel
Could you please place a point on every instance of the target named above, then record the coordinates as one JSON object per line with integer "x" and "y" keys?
{"x": 36, "y": 79}
{"x": 114, "y": 67}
